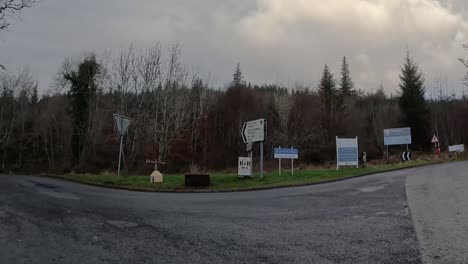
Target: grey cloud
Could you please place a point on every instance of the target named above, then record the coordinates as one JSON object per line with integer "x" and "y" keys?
{"x": 275, "y": 40}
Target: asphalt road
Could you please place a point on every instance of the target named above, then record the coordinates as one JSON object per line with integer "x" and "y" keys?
{"x": 438, "y": 198}
{"x": 363, "y": 220}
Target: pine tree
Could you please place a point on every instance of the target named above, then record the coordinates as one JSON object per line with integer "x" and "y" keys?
{"x": 327, "y": 91}
{"x": 238, "y": 79}
{"x": 346, "y": 84}
{"x": 413, "y": 104}
{"x": 34, "y": 96}
{"x": 328, "y": 95}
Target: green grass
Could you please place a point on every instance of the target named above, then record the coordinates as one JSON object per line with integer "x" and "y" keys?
{"x": 225, "y": 182}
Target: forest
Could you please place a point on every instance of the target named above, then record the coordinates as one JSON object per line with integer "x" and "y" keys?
{"x": 184, "y": 122}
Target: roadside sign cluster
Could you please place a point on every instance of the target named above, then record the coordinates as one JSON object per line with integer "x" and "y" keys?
{"x": 347, "y": 152}
{"x": 252, "y": 132}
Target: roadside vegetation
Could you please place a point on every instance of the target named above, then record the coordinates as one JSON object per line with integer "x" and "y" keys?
{"x": 230, "y": 181}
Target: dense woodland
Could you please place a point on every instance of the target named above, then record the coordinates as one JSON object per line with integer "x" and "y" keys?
{"x": 180, "y": 119}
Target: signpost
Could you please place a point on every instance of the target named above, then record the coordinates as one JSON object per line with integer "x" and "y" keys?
{"x": 122, "y": 123}
{"x": 435, "y": 141}
{"x": 457, "y": 148}
{"x": 286, "y": 153}
{"x": 347, "y": 152}
{"x": 245, "y": 167}
{"x": 397, "y": 136}
{"x": 254, "y": 131}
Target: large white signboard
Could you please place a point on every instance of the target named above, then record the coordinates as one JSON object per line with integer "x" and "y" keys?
{"x": 253, "y": 131}
{"x": 244, "y": 166}
{"x": 397, "y": 136}
{"x": 347, "y": 152}
{"x": 457, "y": 148}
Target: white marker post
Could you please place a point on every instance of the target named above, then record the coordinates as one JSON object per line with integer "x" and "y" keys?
{"x": 122, "y": 123}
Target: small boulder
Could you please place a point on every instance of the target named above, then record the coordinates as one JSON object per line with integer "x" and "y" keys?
{"x": 156, "y": 177}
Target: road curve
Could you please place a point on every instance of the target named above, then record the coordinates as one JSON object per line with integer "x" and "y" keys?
{"x": 362, "y": 220}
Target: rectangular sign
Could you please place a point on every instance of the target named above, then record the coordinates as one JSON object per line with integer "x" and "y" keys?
{"x": 347, "y": 152}
{"x": 457, "y": 148}
{"x": 244, "y": 166}
{"x": 397, "y": 136}
{"x": 286, "y": 153}
{"x": 253, "y": 131}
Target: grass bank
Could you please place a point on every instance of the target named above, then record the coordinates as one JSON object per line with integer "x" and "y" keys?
{"x": 230, "y": 182}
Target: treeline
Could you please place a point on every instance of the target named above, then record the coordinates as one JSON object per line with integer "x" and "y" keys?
{"x": 180, "y": 119}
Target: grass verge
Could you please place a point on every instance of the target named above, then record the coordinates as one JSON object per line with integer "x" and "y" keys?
{"x": 230, "y": 182}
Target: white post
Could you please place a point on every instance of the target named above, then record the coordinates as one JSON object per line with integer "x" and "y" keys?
{"x": 120, "y": 155}
{"x": 292, "y": 165}
{"x": 261, "y": 159}
{"x": 279, "y": 165}
{"x": 337, "y": 157}
{"x": 357, "y": 143}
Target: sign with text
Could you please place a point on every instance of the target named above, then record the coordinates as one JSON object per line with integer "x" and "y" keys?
{"x": 286, "y": 153}
{"x": 253, "y": 131}
{"x": 457, "y": 148}
{"x": 347, "y": 152}
{"x": 397, "y": 136}
{"x": 244, "y": 166}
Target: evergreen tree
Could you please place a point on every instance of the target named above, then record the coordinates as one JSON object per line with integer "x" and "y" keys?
{"x": 34, "y": 96}
{"x": 83, "y": 89}
{"x": 238, "y": 79}
{"x": 327, "y": 91}
{"x": 346, "y": 84}
{"x": 413, "y": 104}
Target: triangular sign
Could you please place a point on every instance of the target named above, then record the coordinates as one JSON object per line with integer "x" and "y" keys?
{"x": 435, "y": 139}
{"x": 122, "y": 123}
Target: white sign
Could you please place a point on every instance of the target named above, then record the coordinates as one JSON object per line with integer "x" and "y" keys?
{"x": 434, "y": 139}
{"x": 347, "y": 152}
{"x": 249, "y": 147}
{"x": 457, "y": 148}
{"x": 253, "y": 131}
{"x": 122, "y": 123}
{"x": 397, "y": 136}
{"x": 244, "y": 166}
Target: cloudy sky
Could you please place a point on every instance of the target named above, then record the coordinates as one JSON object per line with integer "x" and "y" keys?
{"x": 283, "y": 41}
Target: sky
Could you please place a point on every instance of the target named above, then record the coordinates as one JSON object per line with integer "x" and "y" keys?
{"x": 275, "y": 41}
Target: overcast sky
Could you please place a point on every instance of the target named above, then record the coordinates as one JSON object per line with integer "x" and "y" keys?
{"x": 274, "y": 40}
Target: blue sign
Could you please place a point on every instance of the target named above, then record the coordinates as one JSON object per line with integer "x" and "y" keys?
{"x": 286, "y": 153}
{"x": 397, "y": 136}
{"x": 347, "y": 155}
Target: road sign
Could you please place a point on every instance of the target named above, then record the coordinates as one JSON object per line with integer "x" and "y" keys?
{"x": 406, "y": 156}
{"x": 244, "y": 166}
{"x": 249, "y": 146}
{"x": 434, "y": 139}
{"x": 122, "y": 123}
{"x": 397, "y": 136}
{"x": 286, "y": 153}
{"x": 457, "y": 148}
{"x": 347, "y": 152}
{"x": 253, "y": 131}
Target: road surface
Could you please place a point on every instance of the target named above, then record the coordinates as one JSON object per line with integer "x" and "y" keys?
{"x": 363, "y": 220}
{"x": 438, "y": 198}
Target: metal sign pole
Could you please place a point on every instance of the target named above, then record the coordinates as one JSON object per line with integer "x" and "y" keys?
{"x": 279, "y": 167}
{"x": 120, "y": 155}
{"x": 292, "y": 165}
{"x": 261, "y": 159}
